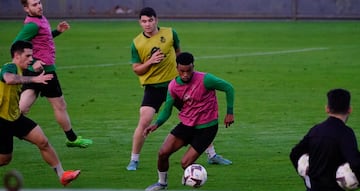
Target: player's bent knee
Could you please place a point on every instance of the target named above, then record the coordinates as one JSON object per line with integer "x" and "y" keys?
{"x": 43, "y": 144}
{"x": 163, "y": 155}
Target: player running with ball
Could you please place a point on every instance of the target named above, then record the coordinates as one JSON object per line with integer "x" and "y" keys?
{"x": 196, "y": 93}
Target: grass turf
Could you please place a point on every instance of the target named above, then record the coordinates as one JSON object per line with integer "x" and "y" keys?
{"x": 281, "y": 72}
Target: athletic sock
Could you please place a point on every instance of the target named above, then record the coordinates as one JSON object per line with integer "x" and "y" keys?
{"x": 135, "y": 157}
{"x": 210, "y": 151}
{"x": 58, "y": 170}
{"x": 70, "y": 135}
{"x": 162, "y": 177}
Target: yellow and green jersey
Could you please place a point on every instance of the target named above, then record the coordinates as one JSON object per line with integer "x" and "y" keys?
{"x": 9, "y": 94}
{"x": 167, "y": 40}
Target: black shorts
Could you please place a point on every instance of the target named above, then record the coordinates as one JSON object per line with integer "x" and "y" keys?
{"x": 154, "y": 97}
{"x": 199, "y": 139}
{"x": 18, "y": 128}
{"x": 50, "y": 90}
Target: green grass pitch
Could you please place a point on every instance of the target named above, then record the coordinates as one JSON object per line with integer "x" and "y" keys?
{"x": 281, "y": 71}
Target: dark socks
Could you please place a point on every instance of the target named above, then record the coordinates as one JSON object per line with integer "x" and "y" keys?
{"x": 70, "y": 135}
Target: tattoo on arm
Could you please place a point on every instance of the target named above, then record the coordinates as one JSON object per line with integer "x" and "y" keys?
{"x": 22, "y": 79}
{"x": 25, "y": 79}
{"x": 10, "y": 78}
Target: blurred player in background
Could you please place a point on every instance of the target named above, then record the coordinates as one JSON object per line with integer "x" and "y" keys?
{"x": 153, "y": 54}
{"x": 196, "y": 92}
{"x": 37, "y": 30}
{"x": 329, "y": 144}
{"x": 13, "y": 123}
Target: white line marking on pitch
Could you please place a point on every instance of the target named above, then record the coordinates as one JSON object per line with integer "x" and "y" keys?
{"x": 262, "y": 53}
{"x": 211, "y": 57}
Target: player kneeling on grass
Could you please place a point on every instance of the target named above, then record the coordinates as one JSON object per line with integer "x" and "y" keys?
{"x": 13, "y": 123}
{"x": 196, "y": 93}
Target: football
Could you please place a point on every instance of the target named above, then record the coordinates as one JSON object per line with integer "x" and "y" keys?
{"x": 195, "y": 176}
{"x": 303, "y": 165}
{"x": 346, "y": 178}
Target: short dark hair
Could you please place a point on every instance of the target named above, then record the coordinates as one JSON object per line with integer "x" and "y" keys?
{"x": 338, "y": 101}
{"x": 147, "y": 11}
{"x": 19, "y": 46}
{"x": 185, "y": 58}
{"x": 24, "y": 2}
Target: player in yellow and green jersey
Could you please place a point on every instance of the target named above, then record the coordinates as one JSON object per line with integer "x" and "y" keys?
{"x": 153, "y": 57}
{"x": 13, "y": 123}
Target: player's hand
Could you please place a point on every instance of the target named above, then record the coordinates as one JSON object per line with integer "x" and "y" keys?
{"x": 63, "y": 26}
{"x": 42, "y": 78}
{"x": 156, "y": 57}
{"x": 150, "y": 129}
{"x": 229, "y": 119}
{"x": 38, "y": 66}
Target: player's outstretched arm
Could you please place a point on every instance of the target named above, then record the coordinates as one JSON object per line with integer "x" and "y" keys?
{"x": 150, "y": 129}
{"x": 42, "y": 78}
{"x": 11, "y": 78}
{"x": 229, "y": 119}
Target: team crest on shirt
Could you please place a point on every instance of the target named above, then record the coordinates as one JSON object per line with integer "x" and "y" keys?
{"x": 162, "y": 39}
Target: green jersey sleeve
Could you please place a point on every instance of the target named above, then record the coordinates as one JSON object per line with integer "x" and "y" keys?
{"x": 7, "y": 68}
{"x": 176, "y": 40}
{"x": 166, "y": 112}
{"x": 28, "y": 32}
{"x": 214, "y": 83}
{"x": 135, "y": 58}
{"x": 55, "y": 33}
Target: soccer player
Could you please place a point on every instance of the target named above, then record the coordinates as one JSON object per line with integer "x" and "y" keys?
{"x": 153, "y": 55}
{"x": 37, "y": 30}
{"x": 196, "y": 92}
{"x": 329, "y": 144}
{"x": 13, "y": 123}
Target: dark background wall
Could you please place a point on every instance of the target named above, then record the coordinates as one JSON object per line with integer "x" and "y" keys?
{"x": 237, "y": 9}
